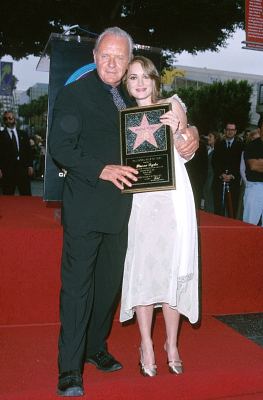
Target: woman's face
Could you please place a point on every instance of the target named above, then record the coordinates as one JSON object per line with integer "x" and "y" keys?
{"x": 211, "y": 139}
{"x": 139, "y": 84}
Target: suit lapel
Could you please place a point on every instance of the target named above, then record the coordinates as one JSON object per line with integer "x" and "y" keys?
{"x": 7, "y": 136}
{"x": 102, "y": 98}
{"x": 105, "y": 102}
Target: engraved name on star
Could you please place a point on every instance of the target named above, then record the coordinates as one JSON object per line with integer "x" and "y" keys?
{"x": 145, "y": 132}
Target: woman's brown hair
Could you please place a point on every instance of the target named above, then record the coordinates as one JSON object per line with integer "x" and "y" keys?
{"x": 150, "y": 69}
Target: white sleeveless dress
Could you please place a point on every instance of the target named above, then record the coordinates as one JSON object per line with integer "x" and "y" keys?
{"x": 161, "y": 264}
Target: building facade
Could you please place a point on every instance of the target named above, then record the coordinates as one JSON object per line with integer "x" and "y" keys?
{"x": 193, "y": 76}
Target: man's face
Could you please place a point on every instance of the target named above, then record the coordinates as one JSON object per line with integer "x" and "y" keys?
{"x": 112, "y": 58}
{"x": 230, "y": 131}
{"x": 9, "y": 120}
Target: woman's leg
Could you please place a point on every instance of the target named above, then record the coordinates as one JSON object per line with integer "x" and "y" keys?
{"x": 144, "y": 317}
{"x": 172, "y": 318}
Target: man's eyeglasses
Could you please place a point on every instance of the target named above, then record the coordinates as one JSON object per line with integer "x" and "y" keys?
{"x": 9, "y": 118}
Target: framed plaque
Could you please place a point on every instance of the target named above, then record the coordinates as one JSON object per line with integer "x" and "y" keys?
{"x": 147, "y": 145}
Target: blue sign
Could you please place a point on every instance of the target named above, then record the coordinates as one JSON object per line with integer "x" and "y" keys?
{"x": 80, "y": 73}
{"x": 6, "y": 78}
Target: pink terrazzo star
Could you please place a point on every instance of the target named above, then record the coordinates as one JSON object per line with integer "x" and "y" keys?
{"x": 145, "y": 132}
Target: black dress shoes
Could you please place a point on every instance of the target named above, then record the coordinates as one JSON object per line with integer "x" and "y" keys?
{"x": 70, "y": 384}
{"x": 104, "y": 361}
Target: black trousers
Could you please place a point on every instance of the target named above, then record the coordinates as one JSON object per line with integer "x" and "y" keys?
{"x": 218, "y": 197}
{"x": 16, "y": 177}
{"x": 91, "y": 273}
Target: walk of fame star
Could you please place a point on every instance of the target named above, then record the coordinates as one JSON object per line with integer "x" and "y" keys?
{"x": 145, "y": 132}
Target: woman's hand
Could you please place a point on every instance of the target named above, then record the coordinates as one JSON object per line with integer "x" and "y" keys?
{"x": 171, "y": 119}
{"x": 188, "y": 137}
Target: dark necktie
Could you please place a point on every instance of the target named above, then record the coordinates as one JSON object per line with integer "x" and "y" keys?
{"x": 14, "y": 142}
{"x": 117, "y": 99}
{"x": 229, "y": 145}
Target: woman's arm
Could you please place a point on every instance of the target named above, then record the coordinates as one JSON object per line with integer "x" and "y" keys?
{"x": 186, "y": 139}
{"x": 176, "y": 118}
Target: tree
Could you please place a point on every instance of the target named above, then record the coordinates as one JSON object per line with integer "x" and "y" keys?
{"x": 35, "y": 112}
{"x": 210, "y": 107}
{"x": 168, "y": 24}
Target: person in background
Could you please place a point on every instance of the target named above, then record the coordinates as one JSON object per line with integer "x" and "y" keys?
{"x": 161, "y": 265}
{"x": 226, "y": 164}
{"x": 16, "y": 158}
{"x": 253, "y": 197}
{"x": 84, "y": 140}
{"x": 248, "y": 137}
{"x": 212, "y": 138}
{"x": 197, "y": 169}
{"x": 35, "y": 153}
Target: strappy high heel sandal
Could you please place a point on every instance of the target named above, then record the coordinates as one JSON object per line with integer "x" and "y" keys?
{"x": 149, "y": 370}
{"x": 174, "y": 366}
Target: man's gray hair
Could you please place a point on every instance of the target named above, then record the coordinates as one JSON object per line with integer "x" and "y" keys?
{"x": 116, "y": 31}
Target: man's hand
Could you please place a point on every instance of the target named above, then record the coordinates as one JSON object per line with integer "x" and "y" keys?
{"x": 227, "y": 177}
{"x": 186, "y": 148}
{"x": 119, "y": 175}
{"x": 1, "y": 174}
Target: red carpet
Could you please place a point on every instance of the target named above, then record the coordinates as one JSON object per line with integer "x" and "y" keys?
{"x": 219, "y": 363}
{"x": 31, "y": 238}
{"x": 232, "y": 273}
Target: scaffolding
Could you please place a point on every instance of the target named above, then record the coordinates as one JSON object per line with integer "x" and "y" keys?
{"x": 9, "y": 103}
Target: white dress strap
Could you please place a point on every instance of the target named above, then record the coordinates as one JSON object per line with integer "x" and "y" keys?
{"x": 176, "y": 97}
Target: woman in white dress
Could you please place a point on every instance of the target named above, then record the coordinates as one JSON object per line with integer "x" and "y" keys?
{"x": 161, "y": 266}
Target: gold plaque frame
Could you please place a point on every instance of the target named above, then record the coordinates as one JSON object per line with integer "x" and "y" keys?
{"x": 147, "y": 145}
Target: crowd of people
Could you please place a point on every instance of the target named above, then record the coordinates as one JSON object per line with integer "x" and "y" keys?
{"x": 38, "y": 146}
{"x": 220, "y": 172}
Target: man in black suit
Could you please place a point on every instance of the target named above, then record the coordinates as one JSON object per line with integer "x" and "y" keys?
{"x": 226, "y": 165}
{"x": 84, "y": 140}
{"x": 16, "y": 160}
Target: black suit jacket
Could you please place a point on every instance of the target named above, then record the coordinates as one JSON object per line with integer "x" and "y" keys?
{"x": 8, "y": 157}
{"x": 227, "y": 159}
{"x": 84, "y": 137}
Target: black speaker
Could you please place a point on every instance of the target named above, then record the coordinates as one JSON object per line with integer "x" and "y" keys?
{"x": 68, "y": 57}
